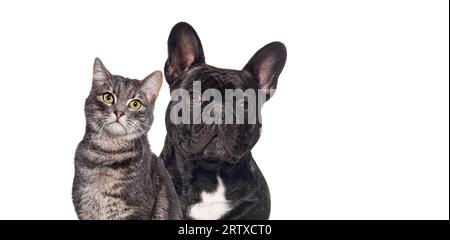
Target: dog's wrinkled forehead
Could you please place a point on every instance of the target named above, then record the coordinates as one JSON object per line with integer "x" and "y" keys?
{"x": 217, "y": 78}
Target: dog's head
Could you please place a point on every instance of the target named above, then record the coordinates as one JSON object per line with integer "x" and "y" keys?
{"x": 202, "y": 121}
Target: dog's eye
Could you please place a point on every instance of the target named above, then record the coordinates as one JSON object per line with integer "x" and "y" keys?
{"x": 195, "y": 98}
{"x": 243, "y": 104}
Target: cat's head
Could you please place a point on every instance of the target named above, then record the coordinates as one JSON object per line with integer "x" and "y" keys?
{"x": 121, "y": 107}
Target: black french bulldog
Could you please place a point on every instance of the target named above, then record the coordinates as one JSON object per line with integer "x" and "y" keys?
{"x": 211, "y": 165}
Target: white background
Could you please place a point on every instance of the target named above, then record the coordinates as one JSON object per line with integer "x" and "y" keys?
{"x": 358, "y": 128}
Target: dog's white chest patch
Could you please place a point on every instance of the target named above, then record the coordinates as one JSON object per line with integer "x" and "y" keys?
{"x": 212, "y": 205}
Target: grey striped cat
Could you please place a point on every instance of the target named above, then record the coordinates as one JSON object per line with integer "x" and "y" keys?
{"x": 116, "y": 174}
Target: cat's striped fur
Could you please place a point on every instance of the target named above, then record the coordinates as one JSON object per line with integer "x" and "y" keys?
{"x": 116, "y": 174}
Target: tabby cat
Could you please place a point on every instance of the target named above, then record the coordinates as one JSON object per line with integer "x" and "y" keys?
{"x": 116, "y": 174}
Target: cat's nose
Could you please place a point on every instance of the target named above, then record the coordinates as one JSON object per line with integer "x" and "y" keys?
{"x": 119, "y": 114}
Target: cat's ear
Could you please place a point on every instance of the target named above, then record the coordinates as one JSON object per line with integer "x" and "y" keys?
{"x": 266, "y": 65}
{"x": 184, "y": 50}
{"x": 151, "y": 84}
{"x": 101, "y": 74}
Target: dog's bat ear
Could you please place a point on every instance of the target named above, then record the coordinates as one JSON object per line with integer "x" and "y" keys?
{"x": 266, "y": 65}
{"x": 184, "y": 51}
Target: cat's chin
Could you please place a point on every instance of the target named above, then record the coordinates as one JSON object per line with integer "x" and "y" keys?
{"x": 116, "y": 129}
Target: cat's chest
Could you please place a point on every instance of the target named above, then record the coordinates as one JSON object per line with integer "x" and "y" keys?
{"x": 102, "y": 196}
{"x": 212, "y": 205}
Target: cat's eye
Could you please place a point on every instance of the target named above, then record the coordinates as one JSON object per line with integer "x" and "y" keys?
{"x": 108, "y": 98}
{"x": 135, "y": 104}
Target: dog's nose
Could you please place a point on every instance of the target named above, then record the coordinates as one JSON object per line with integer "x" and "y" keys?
{"x": 119, "y": 114}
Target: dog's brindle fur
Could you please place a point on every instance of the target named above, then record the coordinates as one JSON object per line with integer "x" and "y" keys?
{"x": 196, "y": 155}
